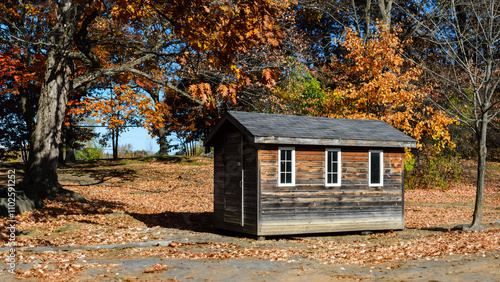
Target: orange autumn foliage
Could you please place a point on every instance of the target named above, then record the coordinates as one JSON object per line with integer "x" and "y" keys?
{"x": 110, "y": 34}
{"x": 382, "y": 84}
{"x": 125, "y": 105}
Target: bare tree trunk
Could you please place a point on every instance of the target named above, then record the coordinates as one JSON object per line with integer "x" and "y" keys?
{"x": 481, "y": 172}
{"x": 162, "y": 133}
{"x": 163, "y": 142}
{"x": 70, "y": 154}
{"x": 25, "y": 154}
{"x": 41, "y": 179}
{"x": 114, "y": 141}
{"x": 61, "y": 153}
{"x": 368, "y": 21}
{"x": 70, "y": 151}
{"x": 27, "y": 108}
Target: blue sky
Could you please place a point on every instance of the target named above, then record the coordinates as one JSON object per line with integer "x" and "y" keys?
{"x": 139, "y": 138}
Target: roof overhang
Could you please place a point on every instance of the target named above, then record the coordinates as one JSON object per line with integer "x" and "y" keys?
{"x": 333, "y": 142}
{"x": 226, "y": 118}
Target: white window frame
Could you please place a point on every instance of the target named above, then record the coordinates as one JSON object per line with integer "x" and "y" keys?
{"x": 279, "y": 166}
{"x": 381, "y": 168}
{"x": 339, "y": 167}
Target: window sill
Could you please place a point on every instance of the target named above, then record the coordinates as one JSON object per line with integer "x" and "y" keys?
{"x": 286, "y": 185}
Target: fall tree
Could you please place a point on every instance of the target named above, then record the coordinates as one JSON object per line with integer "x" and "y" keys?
{"x": 464, "y": 38}
{"x": 83, "y": 41}
{"x": 381, "y": 84}
{"x": 19, "y": 93}
{"x": 373, "y": 81}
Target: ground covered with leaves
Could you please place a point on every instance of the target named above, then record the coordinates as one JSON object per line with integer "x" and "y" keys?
{"x": 153, "y": 211}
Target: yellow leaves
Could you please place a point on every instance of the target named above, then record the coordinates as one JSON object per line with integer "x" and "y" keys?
{"x": 252, "y": 32}
{"x": 201, "y": 90}
{"x": 126, "y": 11}
{"x": 383, "y": 88}
{"x": 378, "y": 54}
{"x": 130, "y": 9}
{"x": 222, "y": 30}
{"x": 125, "y": 105}
{"x": 223, "y": 94}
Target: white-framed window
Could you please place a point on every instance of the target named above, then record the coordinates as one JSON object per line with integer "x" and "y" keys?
{"x": 376, "y": 168}
{"x": 332, "y": 167}
{"x": 286, "y": 166}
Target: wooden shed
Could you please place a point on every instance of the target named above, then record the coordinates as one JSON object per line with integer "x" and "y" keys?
{"x": 285, "y": 174}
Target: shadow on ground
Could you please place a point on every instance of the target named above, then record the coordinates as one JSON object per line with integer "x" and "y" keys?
{"x": 199, "y": 222}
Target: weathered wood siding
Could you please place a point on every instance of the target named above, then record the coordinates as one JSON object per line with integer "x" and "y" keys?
{"x": 235, "y": 164}
{"x": 310, "y": 206}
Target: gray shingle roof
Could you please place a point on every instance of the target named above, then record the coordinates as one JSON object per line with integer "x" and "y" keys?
{"x": 306, "y": 127}
{"x": 316, "y": 127}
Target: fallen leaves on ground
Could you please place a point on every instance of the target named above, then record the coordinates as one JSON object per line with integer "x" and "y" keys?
{"x": 130, "y": 200}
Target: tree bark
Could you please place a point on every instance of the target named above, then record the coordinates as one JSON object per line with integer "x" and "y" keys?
{"x": 41, "y": 178}
{"x": 163, "y": 142}
{"x": 41, "y": 181}
{"x": 368, "y": 23}
{"x": 481, "y": 172}
{"x": 114, "y": 142}
{"x": 61, "y": 153}
{"x": 70, "y": 151}
{"x": 70, "y": 154}
{"x": 29, "y": 118}
{"x": 162, "y": 133}
{"x": 385, "y": 7}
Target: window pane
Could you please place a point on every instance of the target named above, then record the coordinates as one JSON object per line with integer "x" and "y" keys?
{"x": 286, "y": 166}
{"x": 334, "y": 178}
{"x": 334, "y": 156}
{"x": 375, "y": 168}
{"x": 332, "y": 167}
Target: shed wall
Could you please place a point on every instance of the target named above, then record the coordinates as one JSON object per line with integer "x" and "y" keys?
{"x": 235, "y": 165}
{"x": 310, "y": 206}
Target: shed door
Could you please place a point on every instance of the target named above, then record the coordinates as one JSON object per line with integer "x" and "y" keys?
{"x": 233, "y": 179}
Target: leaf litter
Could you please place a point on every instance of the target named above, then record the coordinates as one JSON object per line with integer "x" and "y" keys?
{"x": 144, "y": 201}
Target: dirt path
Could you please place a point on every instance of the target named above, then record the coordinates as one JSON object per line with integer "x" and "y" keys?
{"x": 452, "y": 268}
